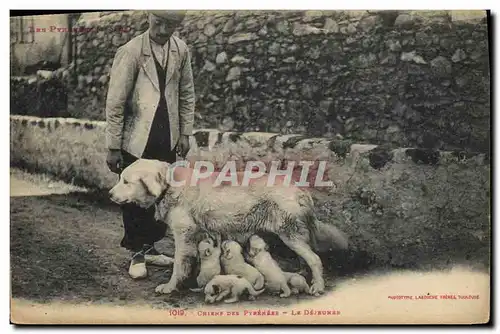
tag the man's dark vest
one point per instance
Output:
(158, 145)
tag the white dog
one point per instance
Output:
(206, 205)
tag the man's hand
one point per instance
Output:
(114, 161)
(183, 146)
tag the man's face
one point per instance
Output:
(161, 29)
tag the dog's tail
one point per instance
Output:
(327, 237)
(323, 237)
(253, 291)
(259, 283)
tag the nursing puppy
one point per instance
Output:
(209, 252)
(233, 263)
(232, 286)
(259, 256)
(297, 283)
(263, 204)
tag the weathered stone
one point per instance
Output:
(305, 30)
(236, 84)
(227, 124)
(251, 24)
(234, 73)
(314, 53)
(365, 60)
(202, 39)
(239, 27)
(229, 26)
(213, 98)
(221, 58)
(368, 23)
(219, 39)
(262, 31)
(412, 56)
(274, 49)
(351, 29)
(307, 91)
(282, 27)
(331, 26)
(394, 46)
(324, 106)
(242, 37)
(240, 60)
(458, 56)
(421, 38)
(209, 66)
(405, 21)
(209, 30)
(311, 15)
(441, 65)
(476, 55)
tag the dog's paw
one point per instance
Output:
(165, 289)
(317, 288)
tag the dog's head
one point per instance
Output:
(231, 249)
(256, 245)
(142, 183)
(206, 248)
(212, 290)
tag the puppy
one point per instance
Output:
(222, 286)
(209, 251)
(259, 256)
(297, 283)
(233, 263)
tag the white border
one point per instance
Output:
(195, 5)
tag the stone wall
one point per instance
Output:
(405, 207)
(416, 79)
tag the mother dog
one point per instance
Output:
(190, 205)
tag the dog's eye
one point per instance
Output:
(125, 182)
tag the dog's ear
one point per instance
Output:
(229, 255)
(153, 185)
(216, 289)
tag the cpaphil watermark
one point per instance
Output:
(302, 174)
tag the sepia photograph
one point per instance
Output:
(287, 167)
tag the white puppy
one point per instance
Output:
(261, 259)
(233, 263)
(222, 286)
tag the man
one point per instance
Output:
(150, 115)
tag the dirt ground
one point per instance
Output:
(65, 248)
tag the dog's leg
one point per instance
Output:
(313, 260)
(286, 292)
(183, 229)
(222, 295)
(233, 299)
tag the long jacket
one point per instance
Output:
(134, 94)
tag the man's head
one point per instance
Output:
(162, 24)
